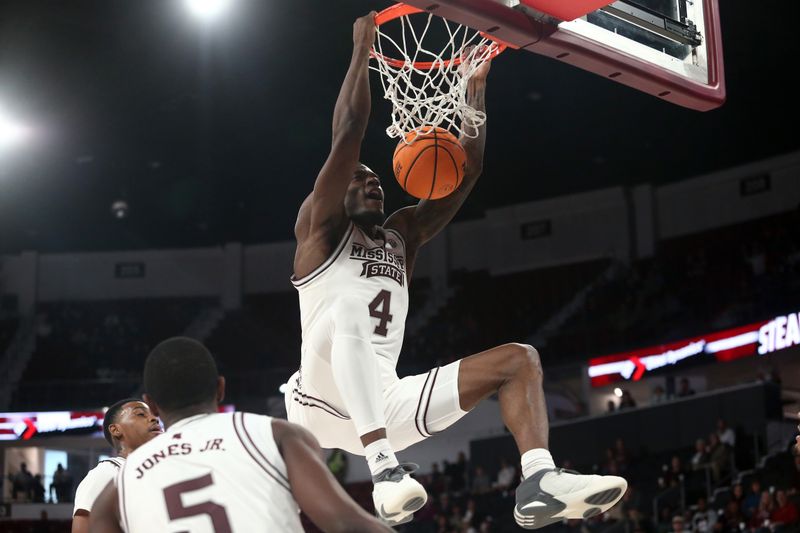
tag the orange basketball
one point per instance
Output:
(432, 166)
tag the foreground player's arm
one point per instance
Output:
(315, 489)
(421, 223)
(80, 521)
(350, 118)
(105, 512)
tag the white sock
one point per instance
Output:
(534, 460)
(380, 456)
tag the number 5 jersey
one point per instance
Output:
(219, 472)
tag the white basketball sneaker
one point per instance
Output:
(397, 495)
(550, 496)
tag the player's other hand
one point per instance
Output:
(482, 71)
(364, 30)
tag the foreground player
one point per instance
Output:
(126, 425)
(352, 272)
(219, 472)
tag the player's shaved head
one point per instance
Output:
(180, 372)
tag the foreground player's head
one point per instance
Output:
(364, 200)
(128, 424)
(181, 380)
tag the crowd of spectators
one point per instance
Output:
(106, 342)
(696, 283)
(27, 487)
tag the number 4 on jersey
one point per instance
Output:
(383, 301)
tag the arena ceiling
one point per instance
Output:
(214, 133)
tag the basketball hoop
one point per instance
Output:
(428, 88)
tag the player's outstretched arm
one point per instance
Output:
(422, 222)
(350, 118)
(315, 489)
(104, 517)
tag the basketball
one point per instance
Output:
(431, 166)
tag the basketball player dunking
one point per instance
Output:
(219, 472)
(352, 270)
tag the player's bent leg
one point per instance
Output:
(547, 494)
(514, 372)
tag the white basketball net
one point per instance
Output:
(434, 96)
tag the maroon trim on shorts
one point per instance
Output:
(253, 442)
(419, 405)
(328, 408)
(428, 404)
(270, 474)
(328, 262)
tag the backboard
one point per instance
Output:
(671, 49)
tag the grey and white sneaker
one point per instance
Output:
(396, 495)
(551, 496)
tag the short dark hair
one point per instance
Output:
(111, 418)
(180, 372)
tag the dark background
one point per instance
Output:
(215, 134)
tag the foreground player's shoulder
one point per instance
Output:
(284, 432)
(95, 481)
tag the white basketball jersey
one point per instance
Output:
(95, 481)
(213, 473)
(373, 272)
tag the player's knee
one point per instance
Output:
(526, 358)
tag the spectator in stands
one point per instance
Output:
(442, 526)
(659, 396)
(38, 489)
(627, 401)
(785, 516)
(437, 483)
(62, 483)
(611, 406)
(505, 477)
(22, 484)
(456, 518)
(703, 519)
(726, 435)
(700, 457)
(737, 494)
(445, 506)
(678, 525)
(750, 503)
(718, 456)
(470, 514)
(609, 462)
(685, 389)
(672, 473)
(480, 481)
(761, 517)
(458, 473)
(732, 520)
